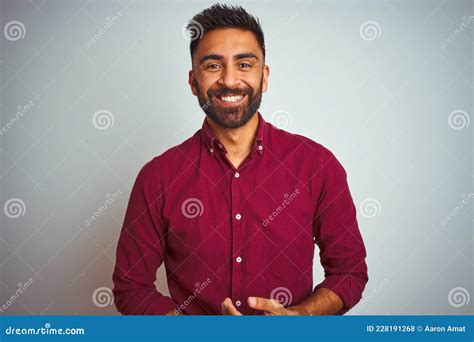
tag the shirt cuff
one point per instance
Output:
(342, 285)
(161, 306)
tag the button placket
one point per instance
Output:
(236, 223)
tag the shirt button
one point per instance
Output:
(238, 216)
(220, 146)
(237, 175)
(238, 259)
(211, 150)
(238, 303)
(260, 147)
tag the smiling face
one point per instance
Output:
(229, 76)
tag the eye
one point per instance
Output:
(212, 66)
(245, 65)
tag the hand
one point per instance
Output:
(272, 307)
(228, 308)
(174, 312)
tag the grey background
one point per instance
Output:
(381, 105)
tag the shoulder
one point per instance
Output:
(288, 142)
(171, 161)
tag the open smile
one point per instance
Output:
(230, 100)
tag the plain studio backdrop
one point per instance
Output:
(92, 90)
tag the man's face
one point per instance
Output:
(229, 76)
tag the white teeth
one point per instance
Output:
(231, 98)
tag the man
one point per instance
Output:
(234, 211)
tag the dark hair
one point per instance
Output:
(222, 16)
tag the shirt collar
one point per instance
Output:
(211, 143)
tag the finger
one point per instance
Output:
(229, 308)
(223, 308)
(269, 305)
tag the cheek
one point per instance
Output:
(200, 89)
(205, 85)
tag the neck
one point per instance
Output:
(237, 141)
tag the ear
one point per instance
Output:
(266, 74)
(191, 81)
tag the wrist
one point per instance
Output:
(300, 310)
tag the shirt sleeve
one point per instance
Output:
(336, 232)
(140, 251)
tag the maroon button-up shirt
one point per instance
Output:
(225, 232)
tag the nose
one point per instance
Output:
(229, 77)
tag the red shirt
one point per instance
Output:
(225, 232)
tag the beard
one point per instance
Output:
(230, 117)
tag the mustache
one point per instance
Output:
(230, 91)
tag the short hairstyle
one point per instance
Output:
(223, 16)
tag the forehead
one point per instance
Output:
(227, 42)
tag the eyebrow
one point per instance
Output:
(220, 57)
